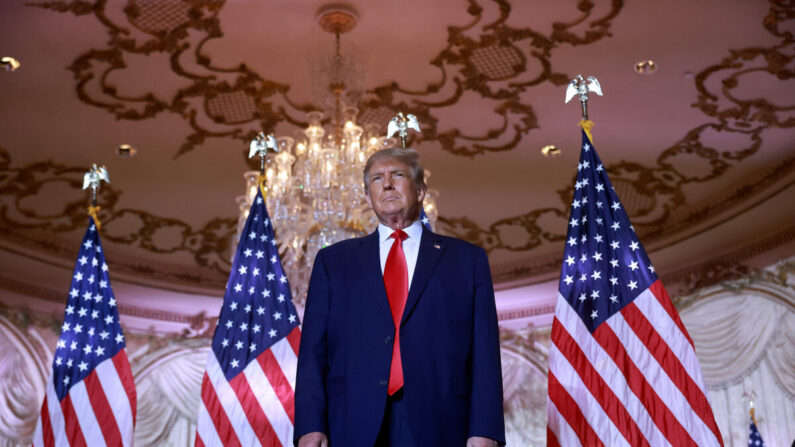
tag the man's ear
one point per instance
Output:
(420, 196)
(369, 200)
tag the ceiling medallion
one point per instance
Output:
(126, 151)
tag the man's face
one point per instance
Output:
(393, 196)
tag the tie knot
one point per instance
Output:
(399, 235)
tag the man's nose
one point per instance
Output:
(387, 183)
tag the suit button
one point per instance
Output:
(383, 383)
(387, 340)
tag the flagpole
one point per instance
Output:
(260, 146)
(581, 87)
(92, 179)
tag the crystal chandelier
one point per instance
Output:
(315, 189)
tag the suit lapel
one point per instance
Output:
(431, 249)
(370, 263)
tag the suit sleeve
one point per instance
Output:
(486, 417)
(310, 389)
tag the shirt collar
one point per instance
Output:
(414, 231)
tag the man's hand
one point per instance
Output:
(477, 441)
(314, 439)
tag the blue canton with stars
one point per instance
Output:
(258, 308)
(91, 332)
(604, 265)
(754, 437)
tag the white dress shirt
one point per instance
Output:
(411, 246)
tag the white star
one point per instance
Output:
(83, 260)
(88, 244)
(582, 297)
(225, 342)
(615, 206)
(260, 254)
(238, 288)
(82, 312)
(242, 270)
(251, 290)
(585, 180)
(252, 235)
(78, 276)
(266, 293)
(88, 349)
(575, 204)
(577, 185)
(583, 238)
(651, 268)
(112, 302)
(65, 327)
(614, 262)
(425, 221)
(239, 344)
(273, 242)
(229, 324)
(613, 299)
(233, 306)
(599, 168)
(633, 265)
(584, 219)
(105, 267)
(247, 308)
(83, 366)
(572, 241)
(70, 310)
(91, 228)
(252, 347)
(270, 276)
(104, 335)
(277, 316)
(283, 279)
(74, 293)
(91, 331)
(244, 326)
(633, 285)
(260, 310)
(599, 220)
(263, 238)
(585, 198)
(98, 298)
(634, 245)
(583, 277)
(247, 253)
(66, 380)
(570, 260)
(103, 284)
(586, 148)
(78, 329)
(234, 363)
(613, 280)
(291, 319)
(94, 262)
(272, 333)
(596, 275)
(109, 319)
(599, 205)
(58, 361)
(594, 314)
(595, 294)
(598, 238)
(597, 256)
(100, 351)
(583, 258)
(255, 272)
(615, 226)
(600, 187)
(256, 328)
(280, 297)
(274, 259)
(573, 222)
(614, 245)
(69, 363)
(91, 279)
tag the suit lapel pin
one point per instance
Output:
(437, 246)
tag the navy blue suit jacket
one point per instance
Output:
(449, 343)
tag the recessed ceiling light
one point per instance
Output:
(646, 67)
(126, 151)
(550, 150)
(8, 63)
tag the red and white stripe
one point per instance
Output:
(255, 408)
(634, 381)
(97, 411)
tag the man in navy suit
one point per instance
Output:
(400, 343)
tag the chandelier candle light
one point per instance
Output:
(314, 183)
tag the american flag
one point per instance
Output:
(426, 222)
(754, 437)
(90, 398)
(622, 367)
(247, 390)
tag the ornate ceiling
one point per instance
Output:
(704, 140)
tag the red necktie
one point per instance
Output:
(396, 282)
